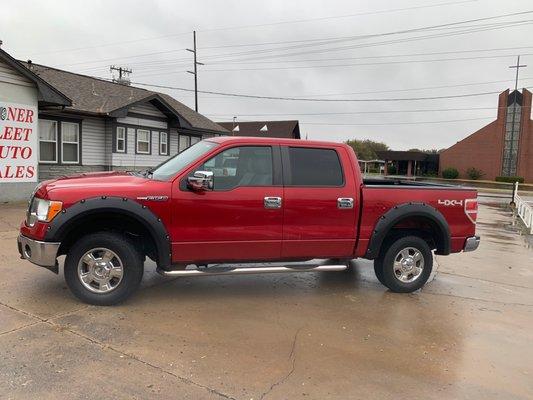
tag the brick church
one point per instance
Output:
(502, 148)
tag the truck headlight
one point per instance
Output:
(42, 210)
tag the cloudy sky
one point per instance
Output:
(368, 59)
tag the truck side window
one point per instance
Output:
(241, 166)
(314, 167)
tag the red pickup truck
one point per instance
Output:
(242, 200)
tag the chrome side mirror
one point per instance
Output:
(201, 180)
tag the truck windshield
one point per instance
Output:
(181, 160)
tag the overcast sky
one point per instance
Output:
(303, 49)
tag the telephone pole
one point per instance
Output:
(122, 74)
(195, 71)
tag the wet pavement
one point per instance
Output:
(467, 334)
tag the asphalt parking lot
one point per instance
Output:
(467, 335)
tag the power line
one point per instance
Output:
(258, 25)
(325, 41)
(184, 60)
(380, 56)
(174, 62)
(339, 16)
(387, 123)
(317, 100)
(390, 33)
(356, 46)
(361, 64)
(395, 123)
(256, 44)
(357, 112)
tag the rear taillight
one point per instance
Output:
(471, 209)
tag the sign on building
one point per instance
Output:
(18, 143)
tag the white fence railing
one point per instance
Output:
(524, 209)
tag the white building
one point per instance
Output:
(87, 124)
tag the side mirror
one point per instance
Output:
(201, 180)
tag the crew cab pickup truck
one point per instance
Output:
(242, 200)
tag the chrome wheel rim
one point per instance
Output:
(100, 270)
(408, 265)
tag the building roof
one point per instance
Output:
(279, 129)
(276, 140)
(392, 155)
(100, 97)
(48, 94)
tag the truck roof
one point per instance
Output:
(259, 140)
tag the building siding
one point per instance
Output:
(484, 148)
(93, 141)
(9, 75)
(149, 123)
(131, 160)
(146, 109)
(15, 88)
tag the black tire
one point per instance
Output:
(130, 258)
(378, 270)
(385, 270)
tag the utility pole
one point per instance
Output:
(233, 128)
(195, 71)
(513, 133)
(122, 74)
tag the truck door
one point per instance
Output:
(241, 218)
(319, 203)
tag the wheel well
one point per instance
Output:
(111, 222)
(423, 227)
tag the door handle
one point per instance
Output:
(272, 202)
(345, 202)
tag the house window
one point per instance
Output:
(184, 142)
(120, 144)
(70, 143)
(163, 143)
(143, 141)
(47, 141)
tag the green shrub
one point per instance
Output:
(474, 173)
(450, 173)
(510, 179)
(391, 170)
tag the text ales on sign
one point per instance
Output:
(18, 143)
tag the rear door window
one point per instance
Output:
(313, 167)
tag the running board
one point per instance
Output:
(250, 270)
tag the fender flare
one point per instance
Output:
(408, 210)
(62, 224)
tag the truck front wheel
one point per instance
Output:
(405, 264)
(103, 268)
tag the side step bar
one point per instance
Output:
(251, 270)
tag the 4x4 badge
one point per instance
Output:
(449, 203)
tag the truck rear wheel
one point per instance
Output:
(103, 268)
(405, 264)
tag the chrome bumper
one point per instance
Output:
(40, 253)
(472, 243)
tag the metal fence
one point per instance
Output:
(524, 209)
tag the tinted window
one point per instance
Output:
(241, 166)
(314, 167)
